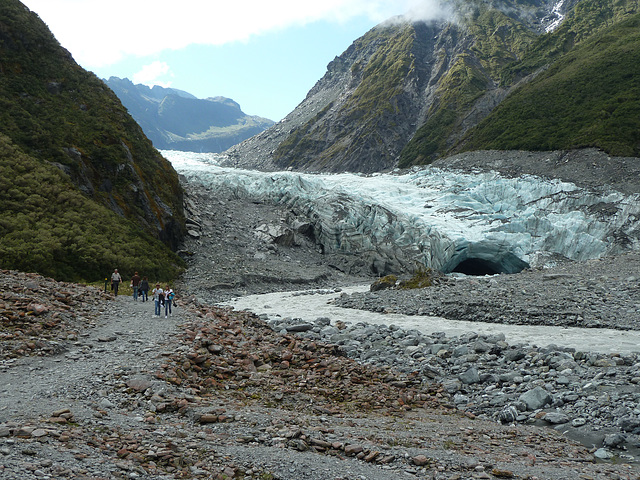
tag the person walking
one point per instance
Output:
(158, 298)
(168, 300)
(144, 289)
(115, 281)
(135, 285)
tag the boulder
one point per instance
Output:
(536, 398)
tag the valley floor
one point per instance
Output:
(93, 387)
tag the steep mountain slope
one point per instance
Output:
(176, 120)
(84, 190)
(591, 97)
(408, 93)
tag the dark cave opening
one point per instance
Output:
(477, 267)
(485, 264)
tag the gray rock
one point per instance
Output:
(578, 422)
(105, 403)
(470, 376)
(302, 327)
(508, 415)
(614, 439)
(628, 424)
(514, 355)
(603, 454)
(536, 398)
(323, 321)
(556, 418)
(460, 399)
(481, 346)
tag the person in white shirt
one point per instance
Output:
(115, 281)
(168, 300)
(158, 298)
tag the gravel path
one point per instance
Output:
(127, 340)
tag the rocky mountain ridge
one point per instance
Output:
(176, 120)
(410, 92)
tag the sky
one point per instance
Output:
(265, 55)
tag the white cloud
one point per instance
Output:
(152, 74)
(428, 10)
(101, 33)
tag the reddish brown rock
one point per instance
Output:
(353, 449)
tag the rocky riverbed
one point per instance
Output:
(601, 293)
(589, 396)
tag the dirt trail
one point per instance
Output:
(127, 339)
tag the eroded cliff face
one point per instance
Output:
(376, 96)
(359, 116)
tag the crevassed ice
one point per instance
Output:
(437, 217)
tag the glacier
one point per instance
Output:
(452, 221)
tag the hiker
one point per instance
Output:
(144, 289)
(135, 285)
(158, 298)
(168, 300)
(115, 281)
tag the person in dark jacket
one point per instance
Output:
(135, 285)
(144, 289)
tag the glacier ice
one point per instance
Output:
(446, 220)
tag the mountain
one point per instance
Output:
(82, 189)
(176, 120)
(501, 74)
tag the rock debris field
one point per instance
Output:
(95, 387)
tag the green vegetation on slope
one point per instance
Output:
(55, 113)
(588, 19)
(586, 95)
(49, 104)
(48, 226)
(498, 41)
(590, 97)
(383, 75)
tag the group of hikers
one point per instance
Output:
(140, 286)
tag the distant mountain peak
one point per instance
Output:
(177, 120)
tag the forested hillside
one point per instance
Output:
(84, 191)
